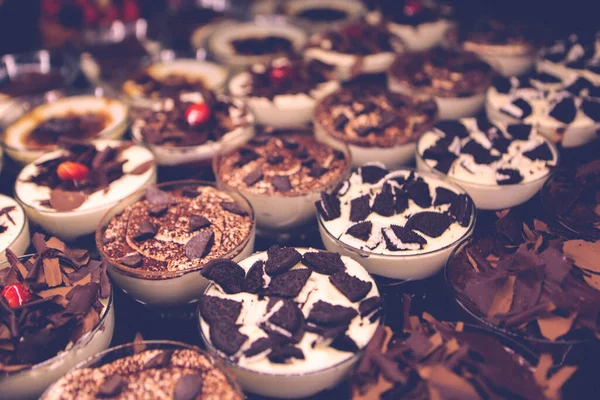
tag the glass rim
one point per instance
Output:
(25, 219)
(67, 61)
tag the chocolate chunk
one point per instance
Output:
(234, 208)
(430, 223)
(480, 154)
(188, 387)
(329, 206)
(316, 171)
(199, 246)
(308, 162)
(508, 176)
(289, 143)
(255, 281)
(288, 317)
(246, 155)
(361, 231)
(301, 153)
(384, 201)
(519, 131)
(63, 200)
(418, 191)
(253, 177)
(226, 337)
(158, 210)
(460, 209)
(398, 238)
(372, 173)
(565, 110)
(580, 84)
(443, 196)
(145, 231)
(198, 222)
(190, 192)
(156, 196)
(363, 130)
(275, 159)
(213, 308)
(501, 84)
(132, 260)
(340, 121)
(443, 165)
(259, 140)
(160, 360)
(360, 208)
(545, 77)
(226, 274)
(401, 198)
(323, 313)
(387, 118)
(259, 346)
(591, 108)
(369, 305)
(519, 109)
(112, 386)
(344, 343)
(280, 355)
(281, 183)
(451, 129)
(289, 284)
(281, 259)
(323, 262)
(485, 126)
(541, 152)
(353, 288)
(338, 155)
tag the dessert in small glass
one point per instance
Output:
(57, 310)
(291, 322)
(68, 191)
(147, 369)
(283, 93)
(238, 44)
(282, 175)
(14, 229)
(500, 166)
(377, 125)
(34, 126)
(420, 25)
(322, 14)
(157, 240)
(457, 80)
(354, 49)
(399, 224)
(191, 127)
(565, 110)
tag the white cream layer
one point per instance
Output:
(13, 230)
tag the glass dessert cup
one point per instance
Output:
(25, 113)
(70, 225)
(399, 266)
(31, 382)
(423, 36)
(507, 60)
(20, 243)
(494, 196)
(167, 289)
(351, 8)
(279, 212)
(112, 354)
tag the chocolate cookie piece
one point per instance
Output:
(253, 177)
(501, 84)
(443, 196)
(508, 176)
(199, 245)
(288, 284)
(519, 131)
(280, 354)
(226, 274)
(418, 191)
(323, 313)
(281, 259)
(564, 110)
(352, 287)
(213, 308)
(480, 154)
(281, 183)
(360, 208)
(132, 260)
(329, 206)
(451, 129)
(384, 201)
(158, 210)
(198, 222)
(519, 109)
(344, 343)
(226, 337)
(430, 223)
(255, 281)
(289, 317)
(259, 346)
(445, 163)
(461, 209)
(323, 262)
(146, 230)
(591, 108)
(401, 198)
(372, 173)
(541, 152)
(400, 237)
(361, 231)
(369, 305)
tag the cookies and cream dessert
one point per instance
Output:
(14, 229)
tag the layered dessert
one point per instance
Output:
(282, 175)
(399, 224)
(420, 24)
(84, 117)
(166, 370)
(376, 124)
(291, 321)
(155, 244)
(239, 44)
(525, 280)
(191, 127)
(354, 49)
(567, 111)
(457, 80)
(321, 14)
(499, 166)
(56, 312)
(283, 93)
(14, 229)
(576, 53)
(68, 191)
(509, 47)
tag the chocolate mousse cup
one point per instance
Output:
(157, 240)
(281, 175)
(457, 80)
(176, 368)
(377, 125)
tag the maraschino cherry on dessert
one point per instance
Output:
(72, 171)
(16, 294)
(197, 114)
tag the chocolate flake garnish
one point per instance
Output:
(275, 159)
(188, 387)
(146, 230)
(234, 208)
(198, 222)
(253, 177)
(156, 196)
(132, 260)
(160, 360)
(158, 210)
(281, 183)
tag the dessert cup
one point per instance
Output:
(31, 382)
(506, 60)
(297, 380)
(112, 354)
(167, 289)
(81, 221)
(16, 235)
(418, 264)
(322, 14)
(279, 211)
(25, 115)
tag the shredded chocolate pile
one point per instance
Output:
(70, 125)
(6, 211)
(358, 38)
(66, 288)
(263, 45)
(169, 86)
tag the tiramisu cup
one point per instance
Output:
(147, 370)
(238, 44)
(290, 322)
(398, 224)
(567, 111)
(281, 175)
(457, 80)
(322, 14)
(283, 93)
(68, 191)
(32, 129)
(190, 128)
(499, 166)
(14, 229)
(354, 49)
(157, 240)
(377, 125)
(53, 317)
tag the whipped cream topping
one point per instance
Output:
(12, 219)
(478, 152)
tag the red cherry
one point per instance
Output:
(131, 11)
(412, 7)
(354, 30)
(72, 171)
(281, 74)
(16, 294)
(197, 114)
